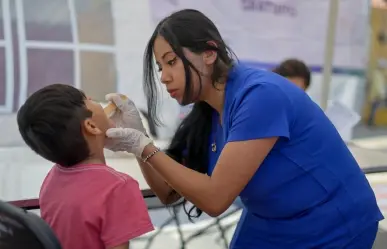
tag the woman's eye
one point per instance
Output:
(171, 62)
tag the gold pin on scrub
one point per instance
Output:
(213, 147)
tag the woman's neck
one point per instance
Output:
(215, 97)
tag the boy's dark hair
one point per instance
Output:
(294, 68)
(50, 122)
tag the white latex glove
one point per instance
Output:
(127, 115)
(127, 139)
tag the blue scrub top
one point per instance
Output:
(309, 192)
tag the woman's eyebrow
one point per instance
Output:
(165, 54)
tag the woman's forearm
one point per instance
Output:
(192, 185)
(164, 192)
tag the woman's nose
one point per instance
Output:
(165, 77)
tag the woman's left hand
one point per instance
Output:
(127, 139)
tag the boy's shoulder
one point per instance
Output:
(107, 172)
(104, 171)
(102, 176)
(109, 175)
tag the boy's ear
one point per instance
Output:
(91, 127)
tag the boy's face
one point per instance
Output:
(99, 123)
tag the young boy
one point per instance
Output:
(88, 204)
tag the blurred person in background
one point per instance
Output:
(296, 71)
(377, 92)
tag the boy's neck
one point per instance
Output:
(96, 155)
(94, 160)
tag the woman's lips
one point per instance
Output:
(173, 93)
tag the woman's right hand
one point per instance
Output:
(127, 115)
(127, 139)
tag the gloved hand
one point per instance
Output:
(127, 139)
(127, 115)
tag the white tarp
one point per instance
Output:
(269, 31)
(261, 32)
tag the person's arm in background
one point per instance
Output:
(124, 215)
(163, 191)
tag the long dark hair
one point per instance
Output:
(189, 29)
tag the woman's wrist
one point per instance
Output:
(149, 151)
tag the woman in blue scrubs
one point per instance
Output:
(251, 134)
